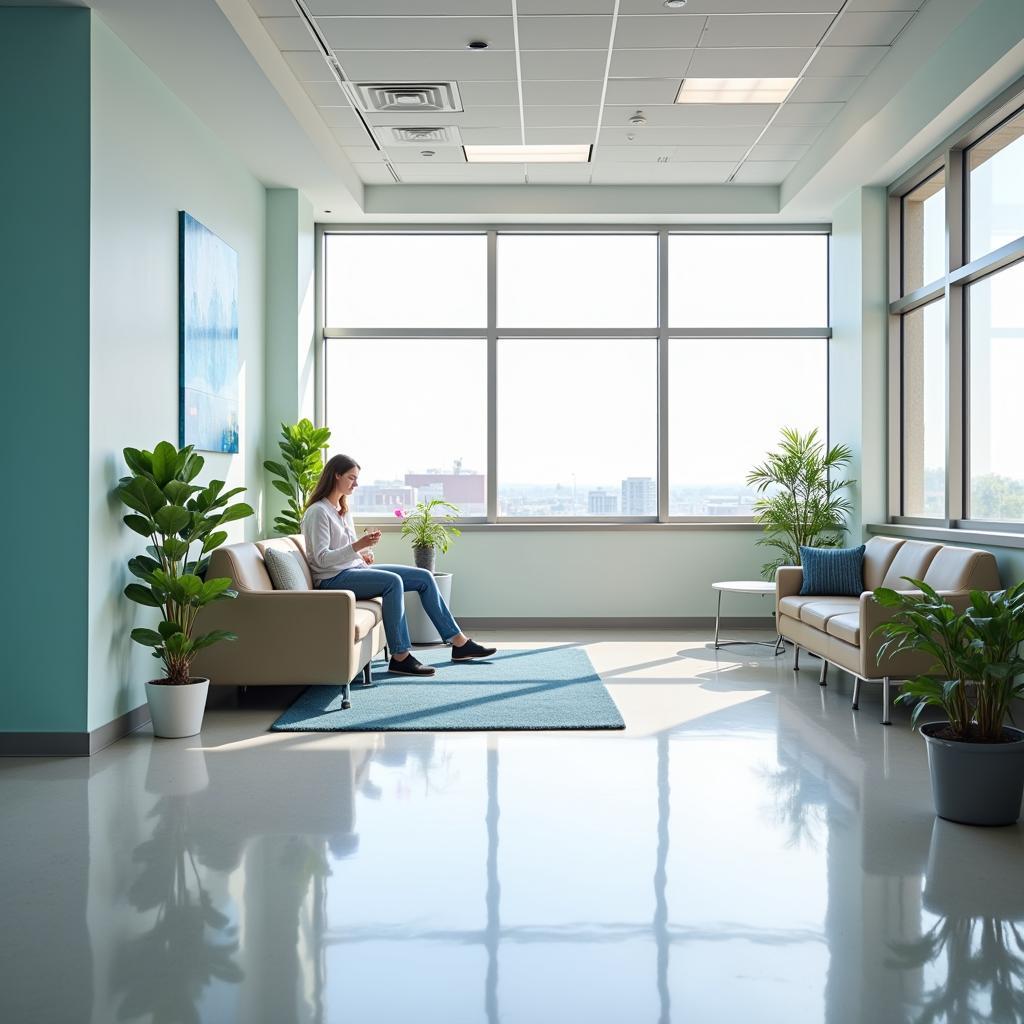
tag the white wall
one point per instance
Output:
(152, 157)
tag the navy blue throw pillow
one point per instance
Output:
(833, 572)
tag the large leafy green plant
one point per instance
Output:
(803, 504)
(182, 522)
(976, 655)
(302, 451)
(428, 524)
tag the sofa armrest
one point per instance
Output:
(284, 636)
(788, 581)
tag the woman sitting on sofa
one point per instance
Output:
(340, 560)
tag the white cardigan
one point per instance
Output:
(329, 539)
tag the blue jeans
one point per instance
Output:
(390, 582)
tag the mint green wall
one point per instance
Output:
(151, 157)
(44, 331)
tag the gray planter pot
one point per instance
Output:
(424, 557)
(976, 783)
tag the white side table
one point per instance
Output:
(759, 587)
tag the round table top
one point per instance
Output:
(745, 586)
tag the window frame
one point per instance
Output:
(951, 289)
(661, 333)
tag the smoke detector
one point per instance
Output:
(408, 97)
(638, 119)
(432, 135)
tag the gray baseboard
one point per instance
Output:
(693, 622)
(72, 744)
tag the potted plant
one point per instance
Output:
(302, 450)
(428, 527)
(802, 505)
(182, 522)
(975, 758)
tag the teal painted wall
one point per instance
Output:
(44, 331)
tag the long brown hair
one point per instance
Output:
(337, 465)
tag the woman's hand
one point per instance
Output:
(368, 540)
(367, 556)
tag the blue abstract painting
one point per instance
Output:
(208, 330)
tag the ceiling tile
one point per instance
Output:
(824, 90)
(452, 174)
(765, 30)
(561, 93)
(416, 33)
(842, 61)
(351, 136)
(325, 94)
(558, 174)
(657, 31)
(544, 117)
(763, 172)
(489, 94)
(650, 63)
(414, 154)
(735, 7)
(632, 154)
(308, 65)
(778, 152)
(406, 8)
(662, 174)
(694, 114)
(398, 66)
(642, 91)
(780, 62)
(289, 33)
(273, 8)
(364, 155)
(884, 5)
(702, 154)
(582, 32)
(807, 113)
(572, 135)
(563, 65)
(734, 135)
(791, 135)
(475, 117)
(497, 136)
(374, 174)
(341, 117)
(864, 29)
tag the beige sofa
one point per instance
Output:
(286, 636)
(839, 629)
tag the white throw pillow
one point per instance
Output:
(285, 569)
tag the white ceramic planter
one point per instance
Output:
(177, 710)
(421, 629)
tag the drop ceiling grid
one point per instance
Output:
(563, 56)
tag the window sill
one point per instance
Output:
(986, 538)
(390, 526)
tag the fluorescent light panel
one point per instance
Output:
(527, 154)
(735, 90)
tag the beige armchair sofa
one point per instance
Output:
(839, 629)
(286, 636)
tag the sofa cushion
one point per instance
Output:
(364, 620)
(374, 605)
(913, 559)
(878, 555)
(791, 605)
(845, 627)
(817, 613)
(833, 571)
(285, 570)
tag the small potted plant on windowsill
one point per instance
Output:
(182, 522)
(975, 758)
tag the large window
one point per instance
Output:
(958, 313)
(555, 375)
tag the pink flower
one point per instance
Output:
(399, 514)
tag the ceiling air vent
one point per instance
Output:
(421, 136)
(409, 97)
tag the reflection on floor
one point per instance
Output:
(748, 850)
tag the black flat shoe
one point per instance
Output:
(409, 666)
(471, 650)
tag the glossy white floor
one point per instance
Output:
(747, 850)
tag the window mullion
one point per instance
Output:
(955, 421)
(663, 380)
(492, 376)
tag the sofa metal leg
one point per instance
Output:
(823, 678)
(796, 658)
(367, 675)
(346, 701)
(885, 701)
(855, 703)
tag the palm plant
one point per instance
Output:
(976, 655)
(302, 450)
(175, 514)
(802, 503)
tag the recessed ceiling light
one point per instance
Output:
(528, 154)
(675, 3)
(735, 90)
(477, 44)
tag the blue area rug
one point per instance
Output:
(547, 688)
